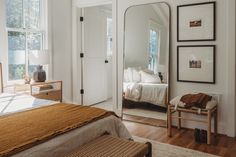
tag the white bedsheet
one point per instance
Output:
(146, 92)
(63, 144)
(154, 93)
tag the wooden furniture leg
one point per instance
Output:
(169, 122)
(179, 120)
(215, 122)
(209, 127)
(149, 149)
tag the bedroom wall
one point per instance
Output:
(3, 40)
(61, 14)
(225, 59)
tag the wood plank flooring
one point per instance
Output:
(222, 145)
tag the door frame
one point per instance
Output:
(77, 6)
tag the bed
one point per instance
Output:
(63, 143)
(143, 87)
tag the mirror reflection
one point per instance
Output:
(146, 64)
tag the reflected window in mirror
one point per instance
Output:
(109, 37)
(154, 46)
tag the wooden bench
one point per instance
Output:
(108, 146)
(209, 113)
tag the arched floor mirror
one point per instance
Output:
(146, 64)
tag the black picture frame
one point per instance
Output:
(213, 38)
(213, 72)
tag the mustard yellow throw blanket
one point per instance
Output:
(26, 129)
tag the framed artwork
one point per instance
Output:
(196, 22)
(196, 64)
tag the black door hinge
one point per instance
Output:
(81, 18)
(81, 91)
(81, 55)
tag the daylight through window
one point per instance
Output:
(25, 33)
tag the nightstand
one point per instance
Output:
(49, 90)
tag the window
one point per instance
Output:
(109, 37)
(154, 48)
(25, 33)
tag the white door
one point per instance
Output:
(95, 85)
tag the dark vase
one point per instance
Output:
(160, 76)
(39, 75)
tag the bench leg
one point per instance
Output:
(149, 149)
(215, 123)
(169, 121)
(209, 127)
(179, 120)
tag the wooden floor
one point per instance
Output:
(222, 145)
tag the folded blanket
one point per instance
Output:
(195, 100)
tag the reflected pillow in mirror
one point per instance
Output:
(126, 76)
(148, 71)
(132, 75)
(149, 78)
(136, 75)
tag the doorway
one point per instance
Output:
(97, 57)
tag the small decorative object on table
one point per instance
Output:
(161, 70)
(39, 75)
(160, 76)
(27, 79)
(39, 58)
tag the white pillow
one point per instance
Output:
(130, 75)
(148, 71)
(126, 77)
(136, 75)
(149, 78)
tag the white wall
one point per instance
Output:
(225, 60)
(3, 41)
(61, 15)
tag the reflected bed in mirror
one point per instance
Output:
(146, 64)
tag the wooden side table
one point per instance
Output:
(49, 90)
(208, 113)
